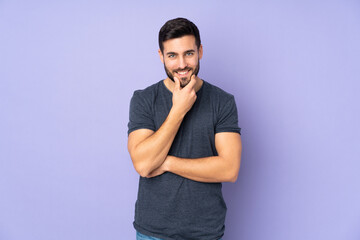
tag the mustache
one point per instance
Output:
(182, 69)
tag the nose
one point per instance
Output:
(182, 62)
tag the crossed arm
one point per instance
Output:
(149, 149)
(221, 168)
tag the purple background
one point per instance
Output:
(68, 70)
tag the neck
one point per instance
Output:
(170, 84)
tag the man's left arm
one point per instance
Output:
(222, 168)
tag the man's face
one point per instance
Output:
(181, 58)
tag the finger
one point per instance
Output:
(155, 173)
(192, 82)
(152, 174)
(177, 83)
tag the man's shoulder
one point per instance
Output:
(215, 91)
(145, 97)
(150, 90)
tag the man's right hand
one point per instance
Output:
(148, 149)
(184, 98)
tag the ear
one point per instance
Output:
(200, 51)
(161, 56)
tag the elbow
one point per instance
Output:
(140, 166)
(233, 178)
(144, 174)
(230, 176)
(141, 170)
(233, 173)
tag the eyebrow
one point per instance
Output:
(174, 53)
(171, 53)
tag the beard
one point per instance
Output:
(183, 81)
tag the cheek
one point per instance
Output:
(170, 65)
(193, 62)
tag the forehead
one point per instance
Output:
(180, 44)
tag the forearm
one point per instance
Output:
(208, 169)
(149, 149)
(150, 153)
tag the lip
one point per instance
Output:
(182, 74)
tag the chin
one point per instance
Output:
(184, 83)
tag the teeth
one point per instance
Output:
(182, 73)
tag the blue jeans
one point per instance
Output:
(140, 236)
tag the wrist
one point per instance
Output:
(167, 163)
(177, 113)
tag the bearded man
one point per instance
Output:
(184, 141)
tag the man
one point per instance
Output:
(184, 140)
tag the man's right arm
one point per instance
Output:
(149, 149)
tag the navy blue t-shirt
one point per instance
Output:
(170, 206)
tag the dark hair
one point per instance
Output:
(176, 28)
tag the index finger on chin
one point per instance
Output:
(192, 82)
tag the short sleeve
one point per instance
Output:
(228, 117)
(140, 113)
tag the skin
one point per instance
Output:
(181, 54)
(149, 149)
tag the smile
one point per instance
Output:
(183, 73)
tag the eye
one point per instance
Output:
(189, 53)
(171, 55)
